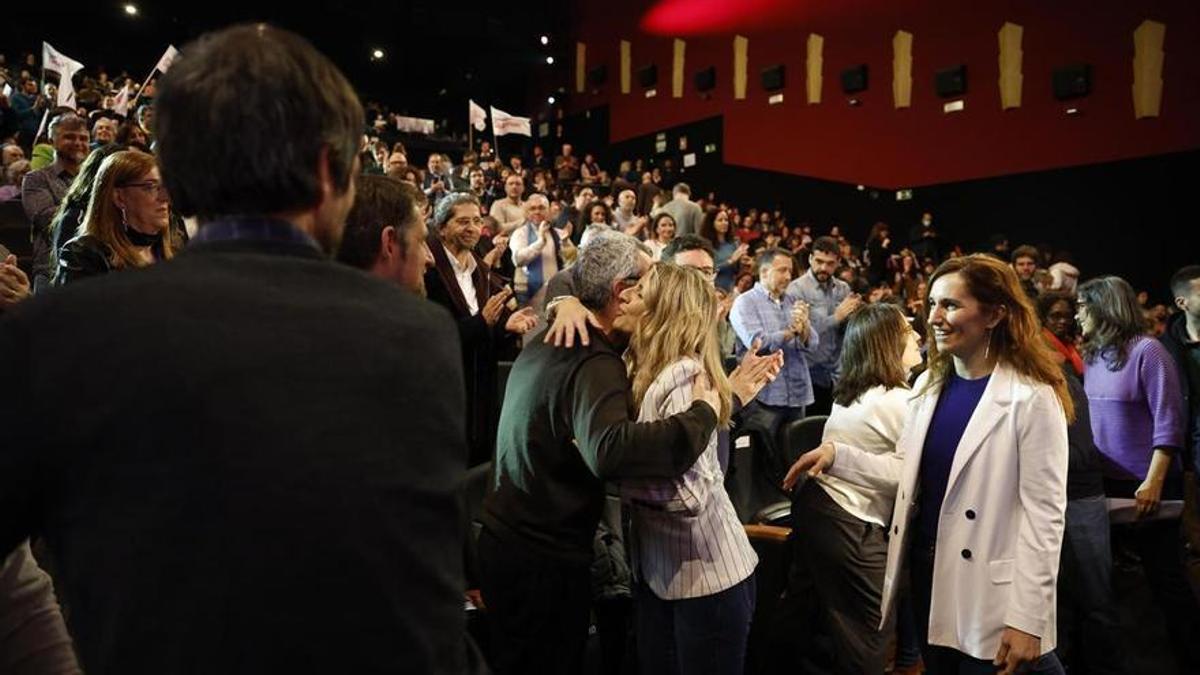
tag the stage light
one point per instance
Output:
(550, 60)
(550, 100)
(545, 40)
(131, 9)
(377, 54)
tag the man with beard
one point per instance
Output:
(44, 189)
(830, 302)
(461, 282)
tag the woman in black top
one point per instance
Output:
(126, 224)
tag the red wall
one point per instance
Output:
(875, 144)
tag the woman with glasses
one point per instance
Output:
(1057, 312)
(126, 224)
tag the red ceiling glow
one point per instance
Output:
(694, 17)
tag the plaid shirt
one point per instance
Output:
(756, 315)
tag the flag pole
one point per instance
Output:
(496, 140)
(133, 105)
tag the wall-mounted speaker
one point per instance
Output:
(648, 76)
(951, 82)
(597, 76)
(772, 78)
(854, 79)
(1072, 81)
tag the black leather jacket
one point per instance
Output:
(80, 258)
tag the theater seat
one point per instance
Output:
(14, 232)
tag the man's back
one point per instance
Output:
(687, 215)
(257, 471)
(537, 462)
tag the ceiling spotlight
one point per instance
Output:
(377, 54)
(550, 100)
(545, 40)
(131, 9)
(550, 60)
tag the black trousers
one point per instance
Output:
(842, 561)
(538, 607)
(823, 400)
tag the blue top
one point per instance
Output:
(725, 269)
(755, 314)
(823, 300)
(955, 406)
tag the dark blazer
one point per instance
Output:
(479, 347)
(260, 470)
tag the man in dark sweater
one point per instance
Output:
(565, 430)
(259, 465)
(1182, 339)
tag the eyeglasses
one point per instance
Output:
(149, 187)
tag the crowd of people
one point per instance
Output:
(242, 406)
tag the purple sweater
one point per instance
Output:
(1134, 409)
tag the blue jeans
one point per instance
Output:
(694, 636)
(1088, 624)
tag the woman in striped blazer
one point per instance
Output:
(694, 563)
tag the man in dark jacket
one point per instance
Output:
(1182, 339)
(463, 284)
(260, 470)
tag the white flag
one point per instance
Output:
(477, 115)
(66, 67)
(123, 99)
(167, 59)
(503, 123)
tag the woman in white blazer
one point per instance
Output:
(979, 475)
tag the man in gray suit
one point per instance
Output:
(687, 213)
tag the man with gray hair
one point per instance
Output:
(564, 431)
(43, 190)
(536, 249)
(459, 281)
(687, 213)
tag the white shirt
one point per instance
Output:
(525, 251)
(687, 541)
(872, 424)
(465, 282)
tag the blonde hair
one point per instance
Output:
(1017, 339)
(103, 219)
(680, 321)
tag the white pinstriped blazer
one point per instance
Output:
(687, 540)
